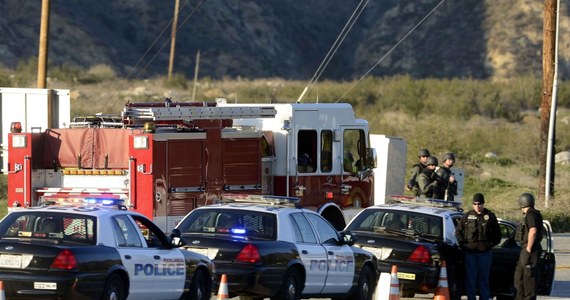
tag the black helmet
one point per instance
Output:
(449, 155)
(423, 152)
(432, 160)
(526, 200)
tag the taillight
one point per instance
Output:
(249, 254)
(420, 255)
(65, 260)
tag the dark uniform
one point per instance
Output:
(445, 190)
(477, 233)
(525, 271)
(416, 171)
(426, 182)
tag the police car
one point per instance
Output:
(418, 234)
(267, 247)
(95, 252)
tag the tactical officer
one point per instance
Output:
(478, 232)
(426, 182)
(529, 235)
(446, 184)
(416, 170)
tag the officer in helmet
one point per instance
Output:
(416, 170)
(426, 180)
(446, 184)
(529, 235)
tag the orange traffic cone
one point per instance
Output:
(223, 293)
(442, 291)
(2, 295)
(394, 285)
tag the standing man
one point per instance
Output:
(416, 170)
(529, 235)
(478, 232)
(426, 182)
(446, 184)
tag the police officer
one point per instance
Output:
(446, 184)
(478, 232)
(416, 170)
(529, 235)
(426, 182)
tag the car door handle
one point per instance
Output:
(305, 252)
(331, 253)
(156, 257)
(128, 257)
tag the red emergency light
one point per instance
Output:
(16, 127)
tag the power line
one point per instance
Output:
(392, 49)
(332, 51)
(165, 43)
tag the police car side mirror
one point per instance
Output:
(176, 239)
(348, 238)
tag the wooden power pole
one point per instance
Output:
(173, 39)
(43, 51)
(548, 60)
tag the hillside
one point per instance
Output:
(287, 39)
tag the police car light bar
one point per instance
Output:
(91, 201)
(263, 199)
(423, 201)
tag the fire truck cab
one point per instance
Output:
(318, 152)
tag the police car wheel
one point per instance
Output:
(365, 285)
(200, 289)
(114, 288)
(291, 287)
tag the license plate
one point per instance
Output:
(45, 285)
(210, 252)
(11, 261)
(407, 276)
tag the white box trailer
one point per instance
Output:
(35, 109)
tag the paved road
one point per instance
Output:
(561, 288)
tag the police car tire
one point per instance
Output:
(291, 287)
(114, 288)
(365, 287)
(200, 289)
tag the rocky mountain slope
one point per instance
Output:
(288, 39)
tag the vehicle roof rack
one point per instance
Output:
(424, 202)
(261, 199)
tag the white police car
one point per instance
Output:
(91, 252)
(267, 247)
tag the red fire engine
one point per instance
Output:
(165, 159)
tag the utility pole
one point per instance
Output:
(548, 59)
(173, 39)
(196, 69)
(43, 48)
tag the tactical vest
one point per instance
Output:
(476, 227)
(521, 235)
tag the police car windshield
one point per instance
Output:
(62, 227)
(249, 224)
(398, 221)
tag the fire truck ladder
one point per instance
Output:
(190, 113)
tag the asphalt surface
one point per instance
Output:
(561, 287)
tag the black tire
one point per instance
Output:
(365, 287)
(114, 288)
(200, 287)
(291, 286)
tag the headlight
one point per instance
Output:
(140, 142)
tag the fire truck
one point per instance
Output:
(165, 159)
